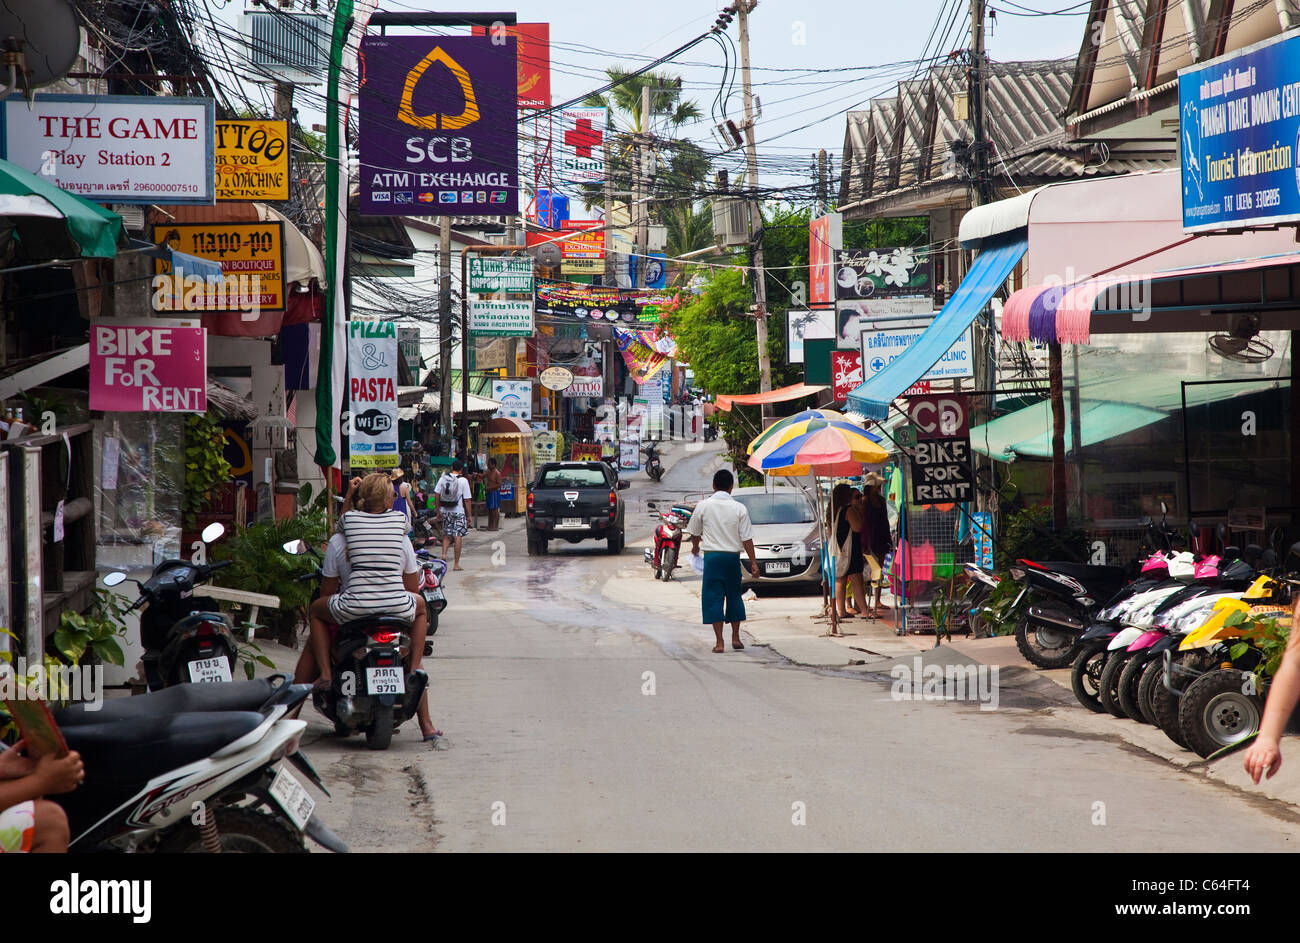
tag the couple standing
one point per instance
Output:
(860, 530)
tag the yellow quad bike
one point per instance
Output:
(1221, 706)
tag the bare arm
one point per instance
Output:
(753, 561)
(329, 585)
(411, 581)
(1264, 757)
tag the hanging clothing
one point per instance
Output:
(923, 562)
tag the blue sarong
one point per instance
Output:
(493, 496)
(720, 594)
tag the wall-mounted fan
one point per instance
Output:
(1242, 342)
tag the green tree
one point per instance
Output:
(690, 228)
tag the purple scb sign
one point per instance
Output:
(438, 126)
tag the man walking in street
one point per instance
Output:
(722, 524)
(453, 507)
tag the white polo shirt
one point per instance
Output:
(722, 524)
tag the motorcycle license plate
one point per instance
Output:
(781, 567)
(293, 798)
(385, 681)
(210, 669)
(572, 522)
(433, 595)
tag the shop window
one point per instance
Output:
(1238, 445)
(139, 488)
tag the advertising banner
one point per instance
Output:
(515, 397)
(582, 251)
(148, 367)
(883, 273)
(581, 145)
(587, 380)
(854, 317)
(490, 275)
(656, 272)
(639, 353)
(408, 342)
(251, 256)
(252, 160)
(825, 238)
(533, 42)
(500, 317)
(115, 148)
(372, 369)
(586, 452)
(803, 324)
(1239, 133)
(882, 346)
(579, 301)
(941, 460)
(439, 135)
(846, 372)
(548, 446)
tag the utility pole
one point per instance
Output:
(823, 203)
(611, 277)
(743, 8)
(444, 326)
(980, 148)
(643, 202)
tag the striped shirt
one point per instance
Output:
(376, 552)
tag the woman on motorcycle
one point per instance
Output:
(382, 578)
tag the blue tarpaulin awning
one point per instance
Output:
(992, 266)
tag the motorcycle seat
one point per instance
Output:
(374, 622)
(1101, 581)
(135, 749)
(182, 698)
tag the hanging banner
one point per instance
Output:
(556, 379)
(846, 372)
(941, 460)
(1239, 137)
(883, 273)
(145, 366)
(252, 160)
(639, 353)
(581, 145)
(578, 300)
(439, 135)
(515, 397)
(251, 256)
(533, 42)
(500, 317)
(115, 148)
(825, 238)
(656, 270)
(372, 367)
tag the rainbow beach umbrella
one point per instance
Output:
(824, 447)
(781, 424)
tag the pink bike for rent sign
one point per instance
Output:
(147, 366)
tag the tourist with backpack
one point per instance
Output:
(454, 496)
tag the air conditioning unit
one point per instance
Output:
(730, 222)
(290, 46)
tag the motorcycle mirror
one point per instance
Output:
(116, 578)
(1164, 508)
(212, 532)
(1295, 549)
(296, 547)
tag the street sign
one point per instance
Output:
(941, 460)
(512, 275)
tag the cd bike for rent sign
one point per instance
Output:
(115, 148)
(1239, 134)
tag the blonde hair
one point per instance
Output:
(375, 493)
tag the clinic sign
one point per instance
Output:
(372, 384)
(439, 132)
(115, 148)
(882, 346)
(147, 367)
(1239, 134)
(941, 459)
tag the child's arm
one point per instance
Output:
(52, 775)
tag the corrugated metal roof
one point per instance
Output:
(1025, 101)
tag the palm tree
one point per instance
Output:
(689, 229)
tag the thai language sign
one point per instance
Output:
(825, 237)
(500, 317)
(1239, 133)
(115, 148)
(439, 135)
(372, 369)
(489, 275)
(147, 366)
(882, 346)
(251, 256)
(252, 159)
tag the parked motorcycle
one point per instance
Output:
(371, 691)
(1063, 599)
(195, 768)
(668, 545)
(433, 570)
(710, 432)
(653, 466)
(186, 638)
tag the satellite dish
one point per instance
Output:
(47, 38)
(547, 255)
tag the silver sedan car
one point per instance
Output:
(787, 540)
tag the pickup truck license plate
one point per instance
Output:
(572, 522)
(385, 681)
(210, 669)
(293, 798)
(782, 566)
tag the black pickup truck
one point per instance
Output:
(575, 501)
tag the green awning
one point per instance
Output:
(51, 223)
(1110, 407)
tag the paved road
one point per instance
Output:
(541, 681)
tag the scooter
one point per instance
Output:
(710, 432)
(433, 570)
(186, 638)
(653, 466)
(668, 545)
(193, 769)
